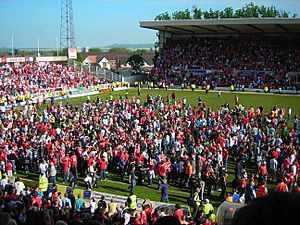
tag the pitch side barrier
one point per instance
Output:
(73, 93)
(122, 199)
(257, 90)
(275, 91)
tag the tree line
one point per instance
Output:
(247, 11)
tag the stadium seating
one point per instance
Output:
(226, 60)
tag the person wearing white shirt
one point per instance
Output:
(44, 167)
(273, 168)
(3, 182)
(88, 181)
(289, 113)
(19, 186)
(93, 205)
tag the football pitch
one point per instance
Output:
(267, 101)
(177, 195)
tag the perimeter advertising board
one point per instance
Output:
(72, 52)
(122, 199)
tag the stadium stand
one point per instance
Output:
(248, 53)
(21, 82)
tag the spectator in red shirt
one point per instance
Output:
(207, 221)
(143, 215)
(147, 205)
(35, 201)
(103, 166)
(178, 213)
(263, 172)
(161, 172)
(65, 168)
(73, 165)
(225, 155)
(137, 219)
(9, 168)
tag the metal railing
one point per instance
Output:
(98, 71)
(109, 75)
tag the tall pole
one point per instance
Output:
(38, 50)
(12, 45)
(56, 46)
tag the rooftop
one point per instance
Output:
(227, 26)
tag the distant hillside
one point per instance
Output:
(130, 46)
(4, 49)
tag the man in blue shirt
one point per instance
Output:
(79, 204)
(66, 202)
(164, 191)
(236, 197)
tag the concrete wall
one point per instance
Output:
(132, 79)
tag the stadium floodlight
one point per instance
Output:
(67, 36)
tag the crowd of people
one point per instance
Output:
(21, 82)
(223, 58)
(160, 142)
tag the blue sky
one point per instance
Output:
(99, 22)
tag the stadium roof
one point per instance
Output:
(227, 26)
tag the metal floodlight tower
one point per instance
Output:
(67, 36)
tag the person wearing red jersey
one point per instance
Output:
(281, 186)
(148, 208)
(36, 201)
(178, 213)
(262, 190)
(263, 172)
(151, 172)
(65, 165)
(161, 172)
(225, 155)
(167, 164)
(143, 215)
(9, 168)
(102, 166)
(73, 166)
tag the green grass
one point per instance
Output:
(268, 101)
(114, 186)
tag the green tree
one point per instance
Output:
(135, 61)
(181, 15)
(197, 13)
(206, 15)
(239, 13)
(79, 57)
(163, 16)
(119, 49)
(63, 52)
(95, 50)
(247, 11)
(228, 12)
(141, 51)
(16, 52)
(250, 10)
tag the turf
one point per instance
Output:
(268, 101)
(114, 186)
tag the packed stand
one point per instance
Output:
(160, 142)
(224, 57)
(20, 82)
